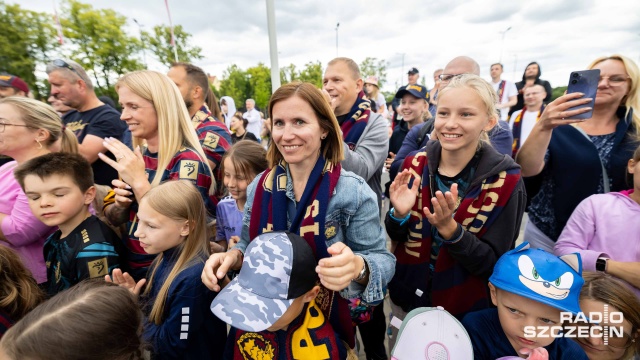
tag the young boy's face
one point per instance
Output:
(294, 310)
(56, 199)
(517, 312)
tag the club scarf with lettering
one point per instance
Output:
(269, 213)
(309, 336)
(517, 129)
(450, 285)
(357, 119)
(501, 90)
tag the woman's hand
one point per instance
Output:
(214, 274)
(129, 164)
(388, 161)
(401, 195)
(123, 194)
(444, 205)
(126, 281)
(233, 240)
(337, 272)
(556, 113)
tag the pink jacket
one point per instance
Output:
(603, 225)
(23, 230)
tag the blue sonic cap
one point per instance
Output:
(541, 276)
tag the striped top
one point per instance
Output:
(186, 164)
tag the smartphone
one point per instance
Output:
(586, 82)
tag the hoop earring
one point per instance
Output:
(39, 144)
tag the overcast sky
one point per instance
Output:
(562, 35)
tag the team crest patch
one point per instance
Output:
(330, 232)
(255, 346)
(189, 169)
(98, 268)
(211, 140)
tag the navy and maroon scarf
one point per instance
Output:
(357, 119)
(269, 213)
(450, 284)
(309, 336)
(517, 130)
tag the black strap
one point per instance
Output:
(427, 128)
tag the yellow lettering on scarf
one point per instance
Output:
(282, 182)
(313, 209)
(268, 181)
(302, 342)
(269, 228)
(490, 194)
(315, 229)
(412, 244)
(416, 160)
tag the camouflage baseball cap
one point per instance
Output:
(278, 267)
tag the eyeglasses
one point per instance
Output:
(448, 77)
(615, 80)
(63, 64)
(2, 125)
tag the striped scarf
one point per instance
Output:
(449, 285)
(269, 213)
(517, 129)
(357, 119)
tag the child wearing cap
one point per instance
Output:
(271, 304)
(530, 289)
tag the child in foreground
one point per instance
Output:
(179, 325)
(530, 288)
(59, 188)
(92, 320)
(240, 165)
(271, 304)
(19, 292)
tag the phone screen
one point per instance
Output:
(586, 82)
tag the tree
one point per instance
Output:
(235, 84)
(312, 73)
(99, 43)
(160, 45)
(288, 74)
(557, 92)
(374, 67)
(260, 84)
(27, 40)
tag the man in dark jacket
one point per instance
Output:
(530, 77)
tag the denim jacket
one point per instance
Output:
(353, 210)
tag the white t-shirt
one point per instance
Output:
(509, 91)
(255, 122)
(528, 121)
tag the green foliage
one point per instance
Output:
(372, 66)
(159, 42)
(557, 92)
(87, 30)
(235, 83)
(312, 73)
(27, 39)
(260, 84)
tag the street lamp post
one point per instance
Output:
(144, 53)
(337, 26)
(502, 46)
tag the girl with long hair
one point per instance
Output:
(172, 226)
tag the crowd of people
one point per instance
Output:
(174, 226)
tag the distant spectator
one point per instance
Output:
(530, 77)
(253, 116)
(228, 107)
(92, 121)
(11, 85)
(372, 90)
(239, 128)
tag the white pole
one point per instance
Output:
(273, 46)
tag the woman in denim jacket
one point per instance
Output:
(307, 192)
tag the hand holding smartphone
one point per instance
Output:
(586, 82)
